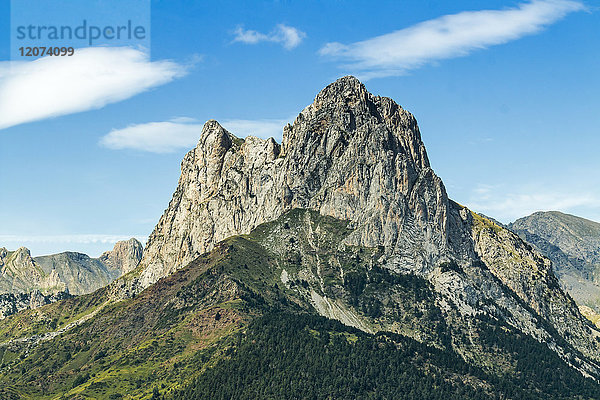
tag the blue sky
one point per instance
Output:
(505, 92)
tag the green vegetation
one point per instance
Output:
(230, 326)
(485, 223)
(50, 317)
(285, 356)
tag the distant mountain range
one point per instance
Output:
(573, 245)
(332, 265)
(39, 280)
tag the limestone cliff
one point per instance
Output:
(19, 273)
(350, 155)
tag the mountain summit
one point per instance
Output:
(349, 155)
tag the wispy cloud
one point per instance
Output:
(446, 37)
(183, 133)
(507, 206)
(288, 36)
(90, 79)
(155, 137)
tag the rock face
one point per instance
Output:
(359, 158)
(124, 257)
(78, 272)
(46, 277)
(573, 245)
(350, 155)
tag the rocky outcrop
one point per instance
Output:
(74, 272)
(13, 303)
(529, 275)
(124, 257)
(573, 245)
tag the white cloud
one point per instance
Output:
(155, 137)
(446, 37)
(184, 133)
(288, 36)
(506, 206)
(90, 79)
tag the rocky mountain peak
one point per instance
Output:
(345, 106)
(22, 256)
(349, 154)
(19, 273)
(347, 89)
(124, 257)
(215, 140)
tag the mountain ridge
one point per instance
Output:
(573, 245)
(201, 318)
(39, 280)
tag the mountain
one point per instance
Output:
(124, 257)
(359, 158)
(349, 155)
(68, 272)
(333, 264)
(21, 274)
(573, 245)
